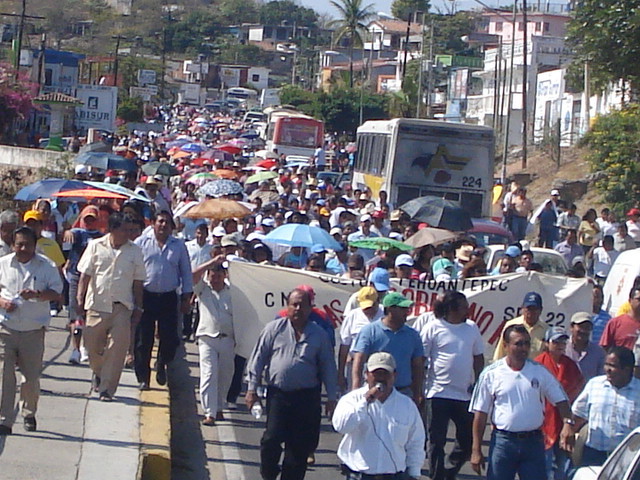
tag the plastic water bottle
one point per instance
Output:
(256, 410)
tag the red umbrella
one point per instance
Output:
(200, 161)
(225, 147)
(269, 163)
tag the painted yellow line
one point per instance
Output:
(155, 432)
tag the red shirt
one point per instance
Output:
(620, 331)
(568, 374)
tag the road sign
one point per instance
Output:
(146, 77)
(144, 92)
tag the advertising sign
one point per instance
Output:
(98, 109)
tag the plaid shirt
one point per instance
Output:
(612, 412)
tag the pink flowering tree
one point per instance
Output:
(16, 95)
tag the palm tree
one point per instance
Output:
(354, 15)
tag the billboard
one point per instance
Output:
(98, 109)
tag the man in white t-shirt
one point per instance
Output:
(368, 311)
(454, 350)
(603, 259)
(512, 390)
(319, 158)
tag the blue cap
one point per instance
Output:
(512, 251)
(318, 248)
(532, 299)
(320, 202)
(380, 279)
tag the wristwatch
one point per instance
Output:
(569, 421)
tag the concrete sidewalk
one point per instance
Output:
(78, 436)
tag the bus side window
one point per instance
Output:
(376, 154)
(366, 164)
(385, 150)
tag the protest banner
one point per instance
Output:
(259, 292)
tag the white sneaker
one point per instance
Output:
(230, 406)
(53, 312)
(84, 355)
(75, 357)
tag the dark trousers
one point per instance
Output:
(236, 382)
(293, 418)
(440, 411)
(190, 321)
(591, 456)
(163, 309)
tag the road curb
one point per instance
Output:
(155, 433)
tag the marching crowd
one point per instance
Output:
(130, 272)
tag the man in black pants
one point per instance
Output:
(168, 268)
(298, 356)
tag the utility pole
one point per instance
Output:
(23, 16)
(505, 149)
(525, 42)
(406, 47)
(430, 76)
(419, 106)
(115, 62)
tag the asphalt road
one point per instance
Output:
(230, 450)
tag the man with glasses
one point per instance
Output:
(512, 390)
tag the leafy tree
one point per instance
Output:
(244, 54)
(16, 95)
(131, 109)
(236, 12)
(353, 15)
(448, 31)
(188, 33)
(278, 11)
(403, 9)
(606, 33)
(615, 151)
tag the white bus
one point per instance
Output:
(410, 158)
(291, 132)
(248, 96)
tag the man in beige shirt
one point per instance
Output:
(530, 318)
(110, 292)
(28, 282)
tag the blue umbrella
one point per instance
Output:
(177, 143)
(192, 148)
(46, 188)
(218, 188)
(250, 135)
(301, 235)
(106, 161)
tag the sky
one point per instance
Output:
(324, 6)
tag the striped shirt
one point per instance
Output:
(612, 412)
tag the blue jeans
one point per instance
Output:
(558, 463)
(519, 227)
(509, 455)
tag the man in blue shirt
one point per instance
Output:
(166, 260)
(392, 335)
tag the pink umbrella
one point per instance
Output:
(238, 142)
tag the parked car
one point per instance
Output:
(488, 232)
(337, 179)
(552, 262)
(622, 464)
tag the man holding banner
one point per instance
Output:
(298, 356)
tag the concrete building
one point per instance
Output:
(545, 50)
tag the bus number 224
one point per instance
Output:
(472, 182)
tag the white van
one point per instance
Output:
(620, 280)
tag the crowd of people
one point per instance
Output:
(590, 244)
(131, 271)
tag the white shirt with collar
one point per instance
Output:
(216, 315)
(514, 399)
(39, 273)
(380, 437)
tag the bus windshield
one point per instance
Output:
(298, 134)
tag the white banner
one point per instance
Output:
(259, 292)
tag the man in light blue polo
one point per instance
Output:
(392, 335)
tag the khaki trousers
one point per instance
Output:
(24, 349)
(106, 337)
